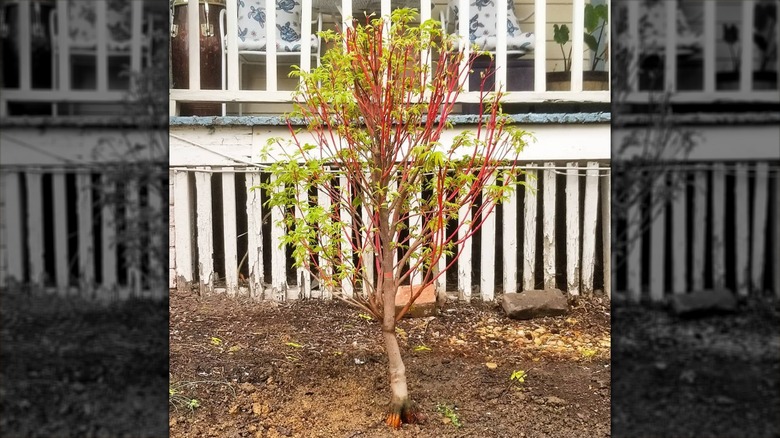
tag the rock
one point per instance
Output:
(703, 302)
(556, 401)
(424, 305)
(535, 304)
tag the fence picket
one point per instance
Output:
(86, 249)
(156, 222)
(181, 209)
(679, 236)
(325, 202)
(464, 261)
(415, 226)
(346, 246)
(759, 226)
(657, 239)
(718, 226)
(700, 218)
(133, 256)
(487, 273)
(589, 226)
(229, 232)
(368, 255)
(509, 223)
(254, 211)
(573, 229)
(13, 222)
(742, 223)
(529, 238)
(205, 235)
(548, 228)
(302, 274)
(606, 234)
(110, 273)
(278, 253)
(776, 240)
(634, 252)
(61, 266)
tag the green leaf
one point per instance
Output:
(422, 348)
(561, 34)
(216, 341)
(293, 344)
(365, 316)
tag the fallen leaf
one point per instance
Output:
(491, 365)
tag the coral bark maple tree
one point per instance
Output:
(371, 191)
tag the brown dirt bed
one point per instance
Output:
(317, 369)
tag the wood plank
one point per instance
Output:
(181, 208)
(657, 241)
(529, 235)
(606, 234)
(487, 278)
(326, 203)
(589, 218)
(13, 222)
(718, 226)
(303, 276)
(415, 227)
(347, 288)
(108, 248)
(86, 248)
(61, 267)
(573, 252)
(548, 227)
(229, 231)
(205, 233)
(758, 242)
(699, 228)
(157, 262)
(679, 238)
(278, 253)
(509, 222)
(133, 256)
(464, 261)
(742, 224)
(634, 253)
(368, 255)
(776, 242)
(254, 212)
(35, 228)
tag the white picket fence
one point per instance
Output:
(721, 230)
(223, 238)
(59, 236)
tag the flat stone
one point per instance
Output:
(531, 304)
(703, 302)
(424, 305)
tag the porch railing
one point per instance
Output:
(234, 93)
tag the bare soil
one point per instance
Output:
(710, 376)
(318, 369)
(76, 368)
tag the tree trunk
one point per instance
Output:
(400, 406)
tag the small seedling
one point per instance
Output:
(216, 341)
(177, 399)
(234, 348)
(422, 348)
(293, 344)
(193, 403)
(365, 316)
(519, 376)
(588, 353)
(449, 412)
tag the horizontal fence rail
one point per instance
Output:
(719, 229)
(65, 230)
(225, 238)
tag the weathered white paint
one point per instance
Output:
(302, 274)
(634, 252)
(133, 258)
(346, 246)
(742, 222)
(60, 231)
(509, 223)
(110, 272)
(718, 226)
(278, 253)
(758, 242)
(229, 232)
(589, 226)
(606, 235)
(776, 243)
(368, 254)
(573, 229)
(205, 226)
(326, 203)
(181, 209)
(487, 275)
(699, 218)
(86, 250)
(529, 238)
(13, 223)
(254, 211)
(679, 236)
(548, 228)
(464, 261)
(657, 237)
(157, 221)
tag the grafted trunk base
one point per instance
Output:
(401, 413)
